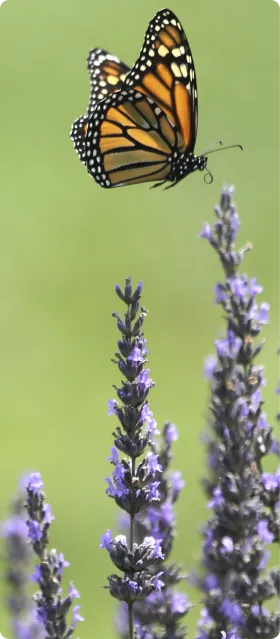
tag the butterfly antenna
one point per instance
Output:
(232, 146)
(208, 177)
(212, 146)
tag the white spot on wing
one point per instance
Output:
(184, 70)
(175, 70)
(162, 50)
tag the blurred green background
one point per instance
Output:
(64, 242)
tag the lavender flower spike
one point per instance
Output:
(52, 608)
(163, 611)
(134, 486)
(242, 498)
(17, 556)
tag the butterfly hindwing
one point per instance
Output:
(78, 136)
(165, 72)
(130, 140)
(107, 75)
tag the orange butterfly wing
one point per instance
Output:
(129, 141)
(165, 72)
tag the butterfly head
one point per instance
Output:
(184, 164)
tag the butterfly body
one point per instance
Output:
(141, 123)
(185, 163)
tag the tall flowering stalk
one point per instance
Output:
(235, 586)
(163, 611)
(271, 499)
(17, 560)
(160, 614)
(134, 484)
(52, 608)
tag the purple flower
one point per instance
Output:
(135, 484)
(112, 407)
(232, 612)
(255, 288)
(171, 433)
(133, 586)
(136, 356)
(35, 483)
(42, 614)
(15, 568)
(256, 401)
(262, 316)
(73, 592)
(263, 531)
(210, 366)
(271, 481)
(217, 500)
(37, 575)
(106, 540)
(52, 609)
(275, 448)
(243, 502)
(152, 491)
(158, 583)
(115, 455)
(34, 531)
(146, 413)
(76, 616)
(179, 603)
(119, 473)
(62, 563)
(111, 491)
(166, 512)
(153, 464)
(177, 484)
(227, 545)
(155, 545)
(206, 232)
(48, 516)
(228, 347)
(219, 293)
(239, 287)
(143, 380)
(211, 582)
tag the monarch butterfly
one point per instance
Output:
(141, 124)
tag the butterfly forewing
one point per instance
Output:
(165, 72)
(107, 75)
(130, 140)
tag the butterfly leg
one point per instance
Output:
(154, 186)
(170, 186)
